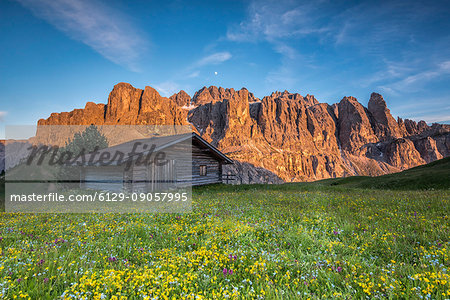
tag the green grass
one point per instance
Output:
(306, 240)
(284, 243)
(435, 175)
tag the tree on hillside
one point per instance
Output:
(82, 143)
(88, 140)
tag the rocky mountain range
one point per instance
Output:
(281, 136)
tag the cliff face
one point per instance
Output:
(293, 136)
(126, 106)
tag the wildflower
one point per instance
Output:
(233, 257)
(46, 280)
(225, 271)
(230, 271)
(19, 280)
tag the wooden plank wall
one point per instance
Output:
(105, 178)
(178, 172)
(203, 157)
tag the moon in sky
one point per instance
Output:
(215, 73)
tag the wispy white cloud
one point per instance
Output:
(416, 105)
(2, 115)
(389, 70)
(378, 32)
(192, 70)
(437, 116)
(279, 23)
(273, 20)
(367, 25)
(167, 88)
(194, 74)
(372, 27)
(445, 66)
(286, 51)
(416, 80)
(102, 28)
(178, 81)
(443, 118)
(284, 76)
(433, 109)
(213, 59)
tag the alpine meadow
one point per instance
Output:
(224, 150)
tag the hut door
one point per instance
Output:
(163, 177)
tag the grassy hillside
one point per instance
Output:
(435, 175)
(325, 239)
(254, 242)
(432, 176)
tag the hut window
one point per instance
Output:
(203, 170)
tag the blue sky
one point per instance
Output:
(59, 54)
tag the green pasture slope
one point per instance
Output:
(435, 175)
(340, 238)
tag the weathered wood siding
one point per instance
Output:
(152, 178)
(203, 157)
(182, 169)
(105, 178)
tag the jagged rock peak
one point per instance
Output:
(385, 126)
(124, 100)
(308, 100)
(350, 99)
(214, 94)
(354, 123)
(181, 98)
(377, 101)
(122, 85)
(412, 127)
(291, 135)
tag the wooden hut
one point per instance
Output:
(188, 160)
